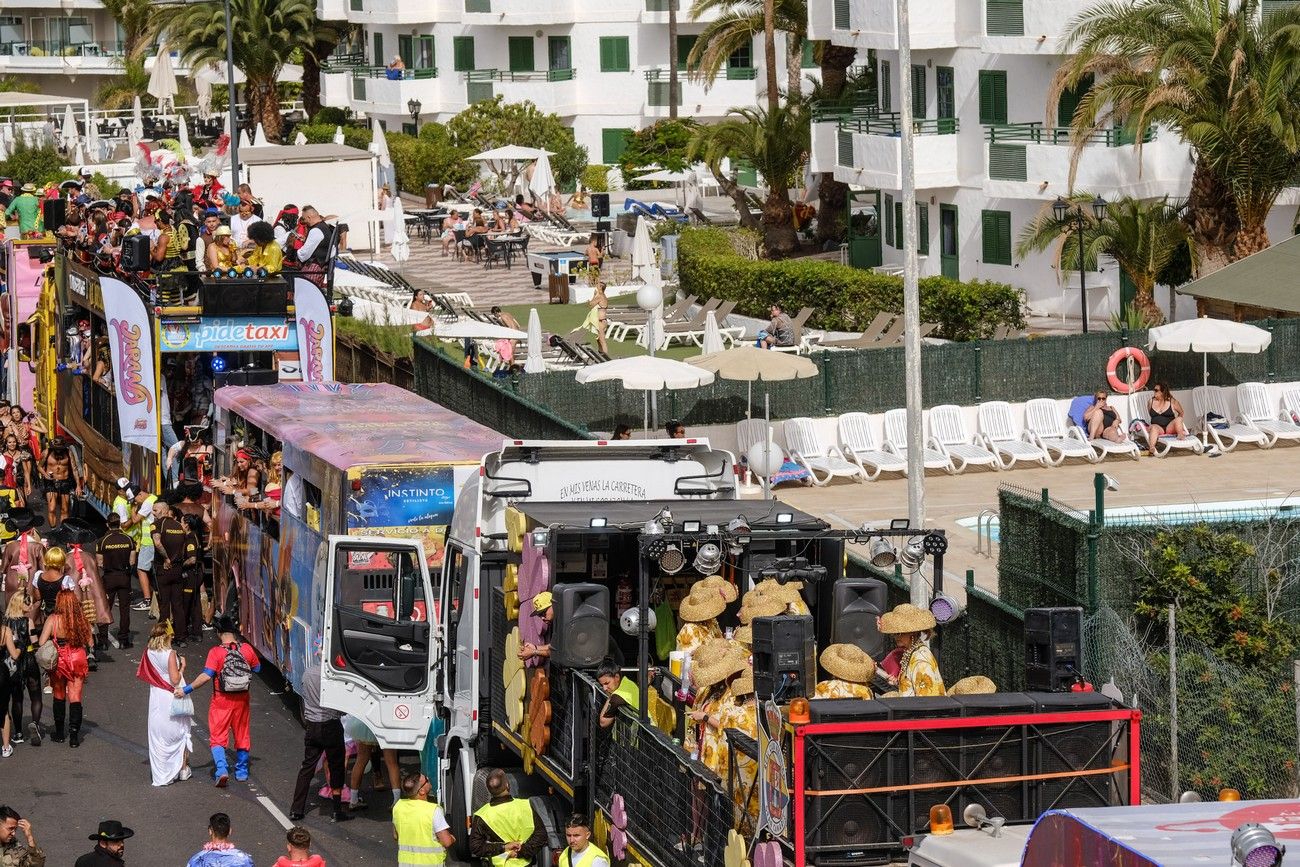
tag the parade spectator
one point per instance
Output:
(230, 667)
(323, 734)
(115, 554)
(13, 851)
(505, 830)
(110, 845)
(141, 529)
(20, 646)
(581, 852)
(169, 733)
(28, 208)
(676, 430)
(420, 825)
(298, 846)
(219, 851)
(622, 432)
(68, 628)
(367, 747)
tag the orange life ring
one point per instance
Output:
(1118, 357)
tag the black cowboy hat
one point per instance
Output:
(68, 184)
(22, 518)
(78, 532)
(112, 830)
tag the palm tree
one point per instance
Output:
(1143, 237)
(1223, 77)
(120, 91)
(775, 143)
(835, 86)
(674, 85)
(738, 22)
(325, 38)
(268, 33)
(139, 21)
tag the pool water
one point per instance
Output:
(1175, 513)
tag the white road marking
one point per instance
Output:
(275, 812)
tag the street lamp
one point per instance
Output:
(1063, 211)
(414, 106)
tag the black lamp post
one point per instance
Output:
(414, 106)
(1064, 210)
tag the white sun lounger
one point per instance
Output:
(896, 442)
(1257, 411)
(859, 445)
(807, 450)
(1138, 402)
(1000, 435)
(948, 434)
(1208, 399)
(1048, 426)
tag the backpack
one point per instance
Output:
(235, 671)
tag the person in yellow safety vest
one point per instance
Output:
(622, 691)
(419, 825)
(505, 830)
(581, 852)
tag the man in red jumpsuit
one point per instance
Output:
(230, 666)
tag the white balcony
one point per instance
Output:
(869, 153)
(1028, 26)
(554, 91)
(401, 11)
(332, 10)
(734, 88)
(379, 95)
(936, 24)
(519, 13)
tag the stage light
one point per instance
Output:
(881, 553)
(1253, 845)
(218, 364)
(945, 608)
(708, 559)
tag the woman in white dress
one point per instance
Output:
(169, 736)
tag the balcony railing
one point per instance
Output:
(488, 75)
(383, 72)
(343, 62)
(61, 48)
(741, 73)
(862, 103)
(889, 124)
(1037, 133)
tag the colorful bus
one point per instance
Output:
(358, 460)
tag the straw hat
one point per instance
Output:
(744, 635)
(701, 604)
(976, 684)
(715, 647)
(718, 668)
(29, 188)
(729, 592)
(906, 618)
(743, 685)
(758, 605)
(785, 592)
(848, 662)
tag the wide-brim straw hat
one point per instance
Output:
(786, 592)
(701, 604)
(743, 685)
(728, 590)
(759, 605)
(744, 635)
(718, 668)
(906, 618)
(848, 662)
(976, 684)
(714, 647)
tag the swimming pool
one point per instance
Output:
(1175, 513)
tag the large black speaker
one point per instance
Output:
(1053, 648)
(247, 376)
(933, 757)
(135, 253)
(580, 633)
(1072, 747)
(996, 752)
(244, 297)
(600, 204)
(857, 604)
(785, 656)
(54, 212)
(846, 827)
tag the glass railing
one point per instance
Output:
(1038, 133)
(889, 124)
(62, 48)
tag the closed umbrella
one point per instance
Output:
(644, 267)
(534, 362)
(712, 337)
(300, 139)
(183, 137)
(401, 243)
(136, 130)
(338, 135)
(379, 147)
(259, 137)
(646, 373)
(68, 135)
(92, 141)
(542, 183)
(162, 79)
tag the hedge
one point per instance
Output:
(842, 298)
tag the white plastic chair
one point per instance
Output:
(999, 432)
(859, 445)
(1208, 399)
(1137, 402)
(749, 432)
(1256, 411)
(1046, 425)
(807, 450)
(896, 442)
(948, 434)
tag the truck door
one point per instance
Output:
(379, 643)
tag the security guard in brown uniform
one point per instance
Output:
(116, 555)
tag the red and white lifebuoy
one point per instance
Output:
(1133, 355)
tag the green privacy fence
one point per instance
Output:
(872, 380)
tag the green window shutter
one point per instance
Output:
(684, 45)
(886, 100)
(993, 96)
(462, 49)
(355, 5)
(1004, 18)
(918, 91)
(808, 58)
(612, 144)
(996, 237)
(521, 54)
(1069, 102)
(379, 58)
(425, 56)
(406, 49)
(844, 147)
(1007, 162)
(614, 54)
(889, 220)
(841, 15)
(478, 5)
(922, 228)
(898, 226)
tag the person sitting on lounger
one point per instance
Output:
(780, 331)
(1102, 420)
(1166, 415)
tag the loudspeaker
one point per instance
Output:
(242, 296)
(857, 602)
(54, 212)
(247, 376)
(1053, 648)
(135, 253)
(996, 752)
(580, 633)
(1072, 747)
(600, 204)
(845, 827)
(934, 757)
(785, 657)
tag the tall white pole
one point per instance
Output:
(911, 296)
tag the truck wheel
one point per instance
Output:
(457, 807)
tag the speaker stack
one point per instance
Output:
(844, 828)
(580, 635)
(935, 758)
(996, 752)
(600, 204)
(785, 657)
(244, 296)
(247, 376)
(1072, 747)
(54, 213)
(1053, 648)
(135, 253)
(857, 602)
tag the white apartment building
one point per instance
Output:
(602, 67)
(989, 151)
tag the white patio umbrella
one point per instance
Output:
(665, 176)
(504, 161)
(751, 364)
(183, 137)
(162, 79)
(644, 267)
(401, 248)
(473, 329)
(534, 363)
(259, 137)
(338, 135)
(299, 140)
(68, 135)
(712, 336)
(646, 373)
(136, 129)
(1205, 335)
(542, 183)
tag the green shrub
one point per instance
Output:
(596, 178)
(39, 165)
(842, 298)
(323, 133)
(393, 339)
(332, 116)
(427, 158)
